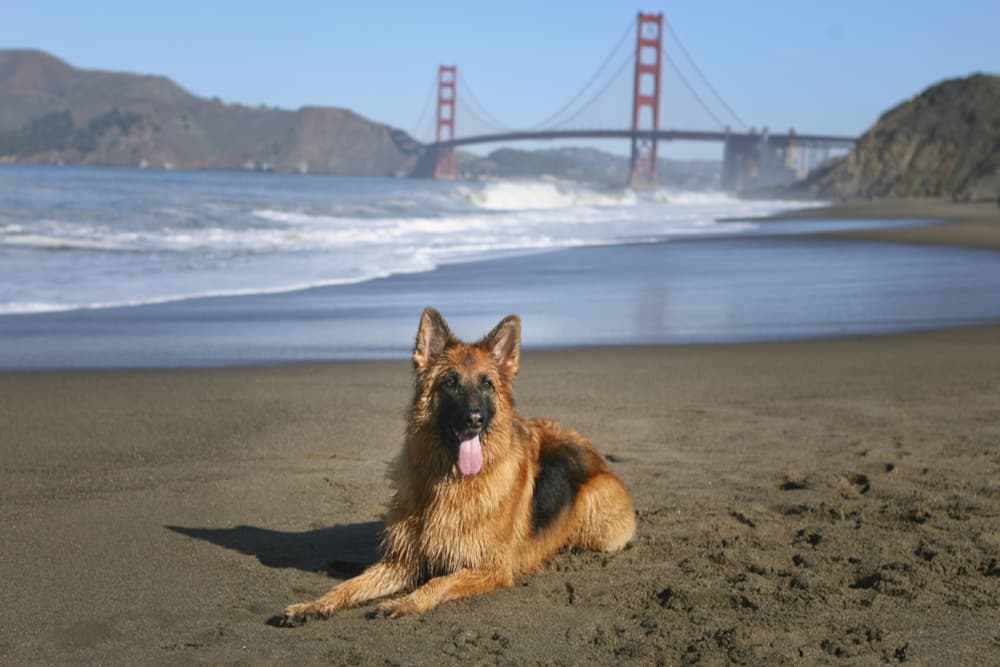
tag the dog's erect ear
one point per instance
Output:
(432, 337)
(505, 344)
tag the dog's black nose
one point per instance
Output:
(474, 419)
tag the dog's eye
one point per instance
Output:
(449, 381)
(486, 382)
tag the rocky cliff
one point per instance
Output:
(945, 142)
(51, 112)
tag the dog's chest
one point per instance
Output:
(459, 530)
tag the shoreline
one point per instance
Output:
(763, 287)
(720, 291)
(967, 224)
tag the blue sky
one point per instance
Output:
(825, 67)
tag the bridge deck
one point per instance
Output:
(660, 135)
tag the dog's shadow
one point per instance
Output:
(341, 551)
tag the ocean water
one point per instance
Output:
(75, 238)
(103, 268)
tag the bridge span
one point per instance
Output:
(832, 141)
(750, 158)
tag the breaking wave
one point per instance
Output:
(146, 241)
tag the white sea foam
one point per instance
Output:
(14, 307)
(166, 243)
(525, 196)
(61, 243)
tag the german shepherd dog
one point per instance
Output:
(481, 494)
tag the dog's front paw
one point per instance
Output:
(298, 614)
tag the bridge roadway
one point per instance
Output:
(659, 135)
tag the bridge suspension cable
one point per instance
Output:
(551, 118)
(418, 129)
(629, 60)
(701, 74)
(687, 84)
(477, 108)
(580, 102)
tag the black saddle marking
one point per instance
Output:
(560, 477)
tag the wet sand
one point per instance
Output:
(974, 225)
(823, 502)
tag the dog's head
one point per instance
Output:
(465, 390)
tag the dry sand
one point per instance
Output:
(828, 502)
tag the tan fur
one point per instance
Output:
(448, 536)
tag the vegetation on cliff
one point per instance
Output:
(55, 113)
(945, 142)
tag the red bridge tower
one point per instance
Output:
(447, 74)
(646, 100)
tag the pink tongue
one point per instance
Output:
(470, 456)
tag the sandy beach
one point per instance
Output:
(820, 502)
(969, 224)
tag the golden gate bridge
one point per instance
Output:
(748, 154)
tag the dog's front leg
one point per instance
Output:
(459, 584)
(383, 578)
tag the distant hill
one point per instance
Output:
(945, 142)
(51, 112)
(584, 164)
(54, 113)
